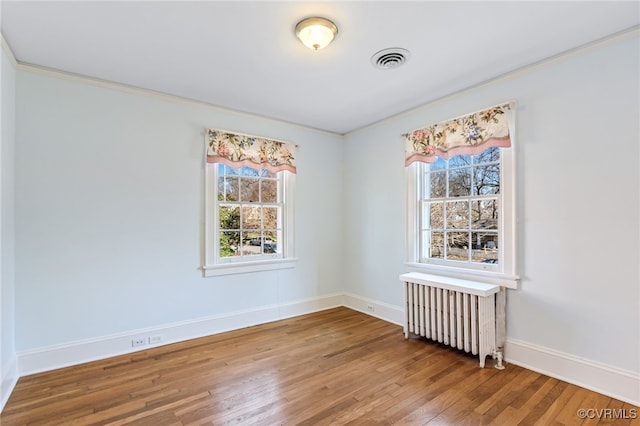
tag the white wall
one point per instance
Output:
(109, 207)
(8, 365)
(578, 198)
(108, 210)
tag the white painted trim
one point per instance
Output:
(611, 381)
(9, 369)
(212, 265)
(307, 306)
(8, 51)
(245, 267)
(602, 378)
(65, 75)
(9, 379)
(448, 283)
(503, 274)
(384, 311)
(81, 351)
(605, 379)
(507, 281)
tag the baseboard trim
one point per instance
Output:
(384, 311)
(9, 379)
(81, 351)
(605, 379)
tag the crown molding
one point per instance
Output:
(8, 51)
(106, 84)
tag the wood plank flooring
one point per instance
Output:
(335, 367)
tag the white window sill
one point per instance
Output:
(247, 267)
(488, 277)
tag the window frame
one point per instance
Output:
(213, 264)
(504, 273)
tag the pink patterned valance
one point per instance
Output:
(237, 150)
(470, 134)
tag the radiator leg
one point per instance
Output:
(498, 356)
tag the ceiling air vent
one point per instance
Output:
(390, 58)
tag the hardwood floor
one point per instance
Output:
(334, 367)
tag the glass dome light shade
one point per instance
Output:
(316, 33)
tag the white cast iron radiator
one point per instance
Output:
(455, 312)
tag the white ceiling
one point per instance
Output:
(244, 55)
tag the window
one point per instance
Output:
(459, 210)
(461, 213)
(249, 209)
(249, 212)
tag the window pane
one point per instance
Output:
(436, 245)
(247, 248)
(249, 171)
(484, 247)
(253, 239)
(253, 244)
(252, 217)
(249, 190)
(270, 217)
(229, 217)
(437, 184)
(270, 244)
(459, 161)
(229, 243)
(440, 164)
(226, 170)
(460, 182)
(488, 155)
(268, 174)
(260, 243)
(458, 246)
(484, 214)
(486, 179)
(228, 189)
(457, 215)
(269, 190)
(221, 188)
(252, 247)
(433, 217)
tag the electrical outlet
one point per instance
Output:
(139, 341)
(370, 308)
(154, 340)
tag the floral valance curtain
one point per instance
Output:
(237, 150)
(470, 134)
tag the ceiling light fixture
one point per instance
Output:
(316, 32)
